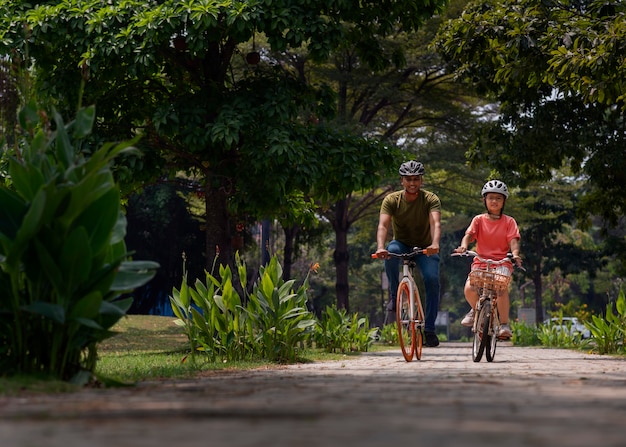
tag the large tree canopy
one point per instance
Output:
(557, 68)
(175, 71)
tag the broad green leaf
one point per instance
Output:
(74, 257)
(133, 274)
(65, 152)
(12, 211)
(84, 122)
(27, 180)
(51, 311)
(87, 307)
(98, 219)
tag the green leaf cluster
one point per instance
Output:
(339, 332)
(270, 323)
(62, 254)
(609, 332)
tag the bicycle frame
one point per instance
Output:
(409, 310)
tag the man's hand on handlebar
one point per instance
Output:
(381, 253)
(431, 250)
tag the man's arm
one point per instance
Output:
(435, 230)
(381, 233)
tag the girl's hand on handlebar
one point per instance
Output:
(518, 261)
(460, 249)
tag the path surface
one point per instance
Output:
(526, 397)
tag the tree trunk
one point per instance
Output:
(538, 293)
(217, 229)
(290, 236)
(341, 256)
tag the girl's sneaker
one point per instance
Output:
(504, 332)
(468, 319)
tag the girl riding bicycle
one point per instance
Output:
(495, 234)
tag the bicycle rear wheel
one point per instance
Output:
(419, 318)
(490, 352)
(406, 326)
(481, 334)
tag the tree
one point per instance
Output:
(557, 70)
(168, 70)
(406, 99)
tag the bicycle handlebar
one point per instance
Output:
(508, 258)
(416, 251)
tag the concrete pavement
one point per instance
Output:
(526, 397)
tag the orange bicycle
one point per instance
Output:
(409, 311)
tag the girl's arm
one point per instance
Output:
(514, 246)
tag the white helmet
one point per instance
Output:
(495, 186)
(411, 167)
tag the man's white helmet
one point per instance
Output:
(411, 167)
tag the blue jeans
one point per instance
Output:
(429, 267)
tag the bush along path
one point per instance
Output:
(64, 264)
(270, 323)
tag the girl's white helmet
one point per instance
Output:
(495, 186)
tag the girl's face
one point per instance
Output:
(494, 202)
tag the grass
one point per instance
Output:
(146, 347)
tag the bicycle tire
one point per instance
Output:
(481, 334)
(419, 324)
(490, 352)
(406, 326)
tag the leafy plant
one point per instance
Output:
(524, 335)
(63, 260)
(608, 333)
(339, 332)
(271, 324)
(278, 316)
(388, 335)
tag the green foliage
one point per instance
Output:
(609, 332)
(523, 52)
(339, 332)
(271, 323)
(388, 335)
(62, 253)
(553, 336)
(524, 335)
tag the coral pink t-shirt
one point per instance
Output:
(492, 236)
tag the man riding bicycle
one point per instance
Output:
(415, 217)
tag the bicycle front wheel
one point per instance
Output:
(481, 334)
(405, 322)
(490, 351)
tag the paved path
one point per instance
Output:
(526, 397)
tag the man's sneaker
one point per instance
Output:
(431, 339)
(468, 319)
(505, 331)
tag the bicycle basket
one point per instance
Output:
(491, 280)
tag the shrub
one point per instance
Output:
(271, 323)
(339, 332)
(62, 254)
(608, 333)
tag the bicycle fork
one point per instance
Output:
(492, 314)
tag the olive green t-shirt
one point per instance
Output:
(410, 220)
